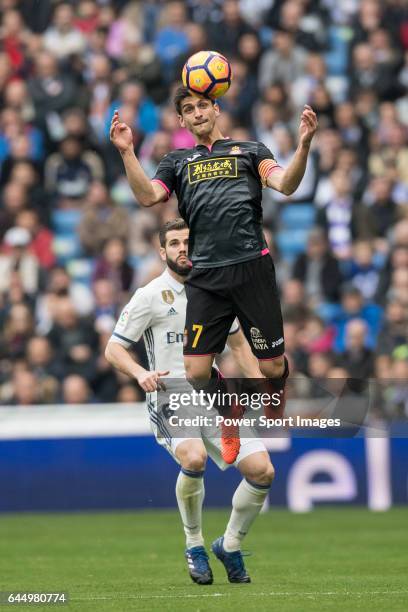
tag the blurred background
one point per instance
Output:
(75, 244)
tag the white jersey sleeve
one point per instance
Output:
(134, 320)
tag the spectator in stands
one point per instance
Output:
(318, 270)
(282, 64)
(14, 199)
(394, 330)
(362, 271)
(225, 36)
(113, 265)
(336, 216)
(69, 173)
(41, 244)
(101, 220)
(18, 260)
(353, 307)
(75, 390)
(26, 390)
(17, 331)
(357, 358)
(129, 394)
(42, 364)
(51, 91)
(171, 38)
(74, 340)
(62, 38)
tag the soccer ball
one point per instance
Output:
(207, 73)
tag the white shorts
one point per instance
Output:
(210, 435)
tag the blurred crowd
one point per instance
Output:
(75, 243)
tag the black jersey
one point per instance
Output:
(219, 194)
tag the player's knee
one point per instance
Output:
(263, 473)
(194, 461)
(273, 368)
(193, 371)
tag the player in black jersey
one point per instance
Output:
(219, 188)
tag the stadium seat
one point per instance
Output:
(337, 57)
(65, 221)
(291, 242)
(81, 269)
(66, 248)
(297, 216)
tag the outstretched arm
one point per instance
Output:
(288, 180)
(148, 193)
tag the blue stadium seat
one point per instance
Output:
(291, 242)
(65, 221)
(66, 248)
(297, 216)
(81, 269)
(337, 58)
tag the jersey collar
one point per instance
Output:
(174, 284)
(213, 144)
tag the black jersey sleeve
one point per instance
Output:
(265, 162)
(165, 174)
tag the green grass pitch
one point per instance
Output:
(331, 559)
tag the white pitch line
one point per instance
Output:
(247, 593)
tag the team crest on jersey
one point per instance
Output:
(168, 296)
(236, 150)
(219, 167)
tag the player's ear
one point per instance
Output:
(217, 109)
(181, 121)
(162, 253)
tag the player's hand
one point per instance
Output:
(150, 381)
(308, 125)
(120, 134)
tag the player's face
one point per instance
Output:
(198, 115)
(175, 253)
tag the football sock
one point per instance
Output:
(277, 385)
(247, 502)
(190, 497)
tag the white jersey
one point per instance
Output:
(158, 312)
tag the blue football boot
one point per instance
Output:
(198, 565)
(232, 561)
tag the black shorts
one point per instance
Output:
(215, 296)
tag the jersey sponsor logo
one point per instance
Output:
(235, 150)
(174, 337)
(219, 167)
(171, 312)
(258, 341)
(168, 296)
(276, 342)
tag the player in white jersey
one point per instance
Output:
(157, 311)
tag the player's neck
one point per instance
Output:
(208, 139)
(177, 277)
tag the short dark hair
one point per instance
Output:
(182, 93)
(175, 224)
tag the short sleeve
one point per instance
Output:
(165, 174)
(265, 162)
(135, 318)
